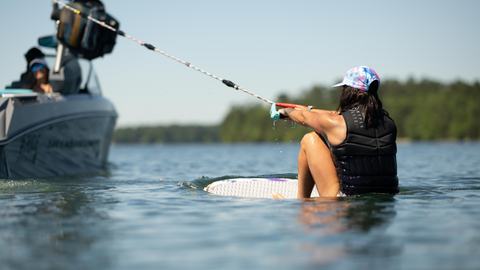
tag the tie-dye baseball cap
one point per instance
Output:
(360, 78)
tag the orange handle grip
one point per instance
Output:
(290, 105)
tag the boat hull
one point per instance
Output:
(73, 140)
(64, 148)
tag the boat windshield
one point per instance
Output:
(90, 83)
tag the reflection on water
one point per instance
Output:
(342, 227)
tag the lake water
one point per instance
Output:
(148, 211)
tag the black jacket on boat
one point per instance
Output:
(366, 160)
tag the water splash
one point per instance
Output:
(26, 186)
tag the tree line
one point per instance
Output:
(166, 134)
(422, 110)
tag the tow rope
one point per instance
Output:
(274, 114)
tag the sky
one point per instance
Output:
(268, 47)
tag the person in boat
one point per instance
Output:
(360, 154)
(39, 76)
(27, 77)
(29, 56)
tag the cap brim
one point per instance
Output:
(38, 61)
(338, 84)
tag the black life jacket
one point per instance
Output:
(366, 160)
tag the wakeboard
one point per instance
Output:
(256, 187)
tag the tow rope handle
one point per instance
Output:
(275, 115)
(290, 105)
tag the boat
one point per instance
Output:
(69, 131)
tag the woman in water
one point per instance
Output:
(40, 83)
(360, 155)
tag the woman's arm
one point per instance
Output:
(318, 111)
(312, 119)
(330, 123)
(313, 110)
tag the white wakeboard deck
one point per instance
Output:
(256, 187)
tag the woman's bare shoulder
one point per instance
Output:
(334, 127)
(332, 118)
